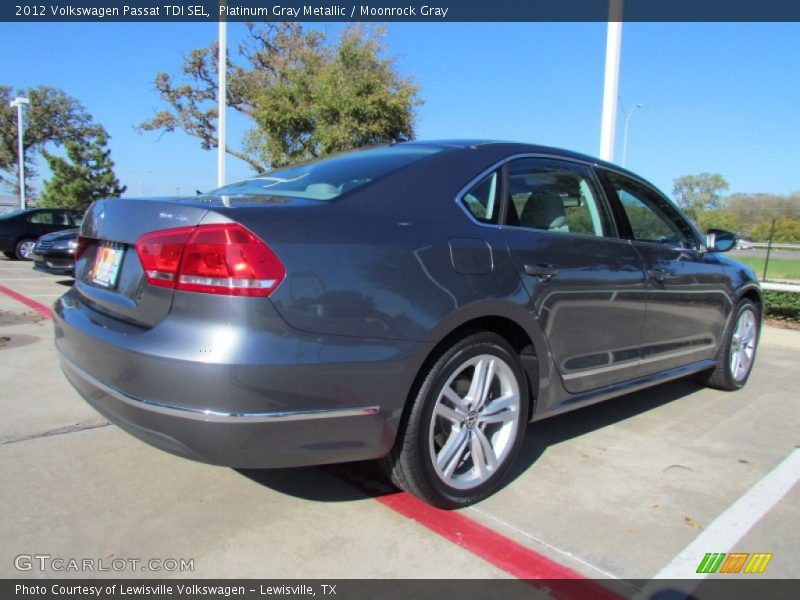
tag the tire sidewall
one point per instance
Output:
(442, 371)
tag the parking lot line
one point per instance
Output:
(541, 542)
(733, 524)
(40, 308)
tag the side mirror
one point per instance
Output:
(719, 240)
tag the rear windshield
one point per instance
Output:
(328, 178)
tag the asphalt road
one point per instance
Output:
(617, 490)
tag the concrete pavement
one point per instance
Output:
(614, 490)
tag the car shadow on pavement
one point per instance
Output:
(335, 483)
(552, 431)
(357, 481)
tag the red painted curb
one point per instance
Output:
(493, 547)
(40, 308)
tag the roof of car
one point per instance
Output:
(514, 148)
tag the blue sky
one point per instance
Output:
(717, 97)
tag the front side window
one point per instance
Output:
(648, 215)
(554, 195)
(481, 200)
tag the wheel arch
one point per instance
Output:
(512, 323)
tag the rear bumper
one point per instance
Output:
(298, 400)
(254, 440)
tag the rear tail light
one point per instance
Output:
(83, 244)
(160, 254)
(212, 259)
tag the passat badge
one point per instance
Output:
(171, 217)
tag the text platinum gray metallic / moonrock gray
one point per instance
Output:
(417, 303)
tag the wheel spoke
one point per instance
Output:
(454, 416)
(450, 454)
(744, 361)
(476, 452)
(478, 381)
(457, 401)
(487, 385)
(500, 410)
(486, 449)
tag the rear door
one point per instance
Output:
(586, 285)
(43, 222)
(687, 296)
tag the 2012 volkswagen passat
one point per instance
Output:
(417, 303)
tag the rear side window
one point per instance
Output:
(42, 218)
(554, 195)
(329, 178)
(482, 202)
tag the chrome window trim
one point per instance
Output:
(217, 416)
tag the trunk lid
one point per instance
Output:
(117, 224)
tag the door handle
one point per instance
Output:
(542, 273)
(657, 275)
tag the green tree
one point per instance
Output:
(695, 193)
(305, 95)
(52, 117)
(83, 176)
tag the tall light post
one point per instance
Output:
(139, 179)
(222, 77)
(628, 115)
(18, 103)
(608, 124)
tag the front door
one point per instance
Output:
(586, 286)
(687, 299)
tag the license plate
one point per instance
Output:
(105, 270)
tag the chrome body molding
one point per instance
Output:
(217, 416)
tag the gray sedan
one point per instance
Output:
(417, 303)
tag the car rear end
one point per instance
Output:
(170, 333)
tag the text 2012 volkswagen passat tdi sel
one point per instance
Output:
(418, 303)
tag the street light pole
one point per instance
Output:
(17, 103)
(608, 123)
(222, 76)
(628, 115)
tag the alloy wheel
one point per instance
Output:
(475, 421)
(743, 345)
(25, 249)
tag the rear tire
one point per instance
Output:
(24, 249)
(737, 353)
(466, 425)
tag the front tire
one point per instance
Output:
(24, 249)
(737, 353)
(466, 425)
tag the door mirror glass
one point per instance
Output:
(719, 240)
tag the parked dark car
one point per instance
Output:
(54, 253)
(20, 229)
(419, 303)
